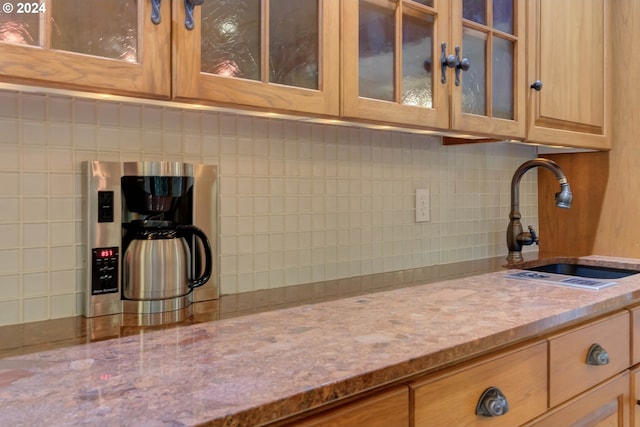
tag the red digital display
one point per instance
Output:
(105, 253)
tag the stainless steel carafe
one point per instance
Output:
(157, 261)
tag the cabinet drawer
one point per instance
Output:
(390, 408)
(451, 398)
(607, 405)
(569, 372)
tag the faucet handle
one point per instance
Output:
(534, 235)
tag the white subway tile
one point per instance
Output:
(63, 233)
(10, 287)
(63, 282)
(9, 104)
(35, 209)
(59, 109)
(34, 133)
(34, 184)
(172, 119)
(85, 111)
(10, 312)
(63, 306)
(192, 144)
(229, 264)
(131, 116)
(108, 139)
(9, 209)
(108, 113)
(63, 257)
(35, 309)
(60, 160)
(34, 107)
(172, 143)
(228, 284)
(85, 137)
(10, 158)
(62, 184)
(35, 234)
(35, 284)
(35, 259)
(9, 131)
(152, 143)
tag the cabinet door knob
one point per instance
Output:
(492, 403)
(537, 85)
(597, 355)
(189, 6)
(453, 61)
(443, 63)
(155, 12)
(461, 65)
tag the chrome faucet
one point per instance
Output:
(516, 238)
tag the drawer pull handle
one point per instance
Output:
(597, 355)
(492, 403)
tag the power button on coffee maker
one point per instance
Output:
(105, 206)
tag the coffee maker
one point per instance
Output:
(151, 245)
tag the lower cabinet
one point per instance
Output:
(582, 376)
(504, 390)
(386, 409)
(606, 405)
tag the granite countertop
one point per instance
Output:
(258, 368)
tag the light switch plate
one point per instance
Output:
(423, 205)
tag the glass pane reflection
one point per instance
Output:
(105, 28)
(425, 2)
(474, 79)
(475, 10)
(417, 61)
(293, 43)
(231, 38)
(503, 15)
(23, 28)
(502, 68)
(376, 56)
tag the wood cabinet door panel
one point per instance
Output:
(381, 63)
(497, 71)
(569, 52)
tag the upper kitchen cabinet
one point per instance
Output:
(275, 55)
(97, 45)
(568, 71)
(446, 65)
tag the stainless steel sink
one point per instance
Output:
(574, 275)
(591, 271)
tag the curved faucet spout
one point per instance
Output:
(516, 238)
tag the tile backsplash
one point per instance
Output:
(300, 202)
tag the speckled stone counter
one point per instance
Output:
(258, 368)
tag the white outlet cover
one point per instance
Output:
(423, 205)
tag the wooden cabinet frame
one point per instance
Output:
(60, 69)
(190, 84)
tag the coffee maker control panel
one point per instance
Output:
(104, 269)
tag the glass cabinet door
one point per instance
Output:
(489, 96)
(276, 54)
(110, 46)
(391, 61)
